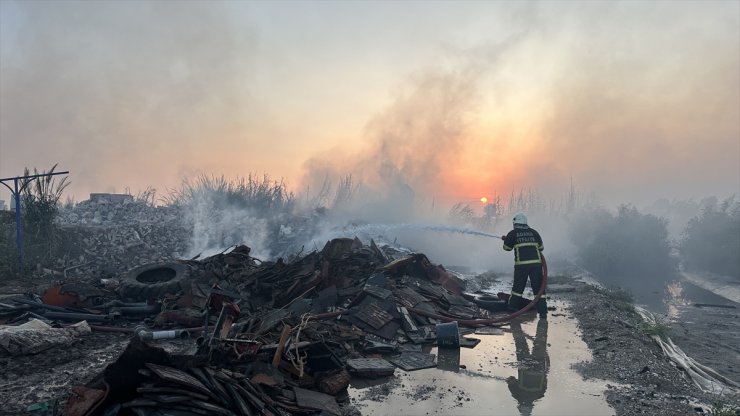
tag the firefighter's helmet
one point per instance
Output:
(520, 219)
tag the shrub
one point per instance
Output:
(711, 241)
(629, 244)
(39, 206)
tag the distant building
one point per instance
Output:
(105, 198)
(12, 203)
(2, 205)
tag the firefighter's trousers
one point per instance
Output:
(521, 273)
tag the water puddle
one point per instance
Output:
(526, 370)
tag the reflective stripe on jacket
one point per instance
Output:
(526, 243)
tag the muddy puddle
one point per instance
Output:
(524, 370)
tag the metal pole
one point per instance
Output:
(17, 195)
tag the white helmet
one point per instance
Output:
(520, 218)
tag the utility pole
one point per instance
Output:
(16, 192)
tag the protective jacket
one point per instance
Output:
(526, 243)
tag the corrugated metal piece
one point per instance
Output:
(410, 361)
(370, 367)
(373, 315)
(315, 400)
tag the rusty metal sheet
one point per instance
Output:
(373, 315)
(83, 400)
(334, 383)
(308, 399)
(79, 295)
(425, 287)
(410, 361)
(262, 378)
(408, 297)
(447, 280)
(378, 292)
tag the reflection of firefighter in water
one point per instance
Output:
(531, 383)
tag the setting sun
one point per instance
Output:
(484, 199)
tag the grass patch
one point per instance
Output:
(621, 299)
(724, 409)
(658, 328)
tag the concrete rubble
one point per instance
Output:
(258, 338)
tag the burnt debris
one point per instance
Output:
(256, 338)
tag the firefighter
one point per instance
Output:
(527, 245)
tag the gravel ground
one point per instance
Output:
(645, 381)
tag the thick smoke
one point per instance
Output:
(120, 93)
(409, 146)
(400, 176)
(643, 110)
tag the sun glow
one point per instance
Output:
(484, 199)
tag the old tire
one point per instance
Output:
(153, 281)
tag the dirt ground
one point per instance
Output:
(645, 381)
(642, 381)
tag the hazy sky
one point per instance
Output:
(634, 100)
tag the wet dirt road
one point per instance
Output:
(525, 370)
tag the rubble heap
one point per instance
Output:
(273, 338)
(106, 239)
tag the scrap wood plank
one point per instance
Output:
(253, 398)
(309, 399)
(241, 404)
(140, 402)
(171, 390)
(176, 376)
(178, 411)
(212, 408)
(168, 398)
(220, 389)
(189, 410)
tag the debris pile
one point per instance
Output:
(265, 338)
(105, 239)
